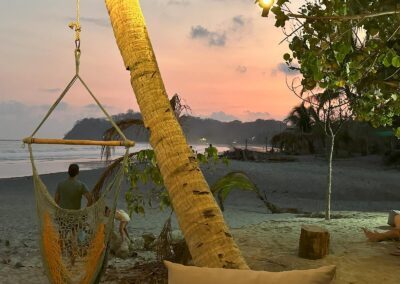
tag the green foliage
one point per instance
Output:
(143, 170)
(397, 133)
(143, 173)
(233, 180)
(359, 57)
(280, 16)
(211, 153)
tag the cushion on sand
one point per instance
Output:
(179, 274)
(394, 218)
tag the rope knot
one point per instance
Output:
(28, 140)
(77, 28)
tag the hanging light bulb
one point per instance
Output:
(265, 4)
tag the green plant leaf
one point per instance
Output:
(397, 132)
(396, 61)
(233, 180)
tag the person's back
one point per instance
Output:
(69, 192)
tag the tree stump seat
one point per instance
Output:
(314, 242)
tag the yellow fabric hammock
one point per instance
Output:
(73, 243)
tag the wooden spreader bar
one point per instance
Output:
(30, 140)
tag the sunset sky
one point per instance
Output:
(220, 56)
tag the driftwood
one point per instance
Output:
(314, 242)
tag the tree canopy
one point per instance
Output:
(352, 47)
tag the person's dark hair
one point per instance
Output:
(73, 170)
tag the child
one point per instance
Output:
(123, 219)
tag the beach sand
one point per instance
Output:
(363, 192)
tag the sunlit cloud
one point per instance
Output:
(283, 69)
(213, 38)
(51, 90)
(251, 116)
(222, 116)
(178, 2)
(238, 20)
(241, 69)
(219, 37)
(245, 116)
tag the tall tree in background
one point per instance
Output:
(331, 112)
(199, 216)
(350, 47)
(328, 111)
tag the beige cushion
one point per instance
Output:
(179, 274)
(394, 218)
(397, 221)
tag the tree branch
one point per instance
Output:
(343, 18)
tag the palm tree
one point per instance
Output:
(199, 216)
(302, 118)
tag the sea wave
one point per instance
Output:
(14, 158)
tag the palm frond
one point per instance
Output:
(178, 106)
(107, 174)
(238, 180)
(112, 134)
(302, 118)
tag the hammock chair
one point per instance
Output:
(73, 243)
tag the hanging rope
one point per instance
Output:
(74, 243)
(76, 26)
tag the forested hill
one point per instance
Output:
(195, 128)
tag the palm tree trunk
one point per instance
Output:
(199, 216)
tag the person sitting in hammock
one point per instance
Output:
(70, 191)
(393, 234)
(69, 196)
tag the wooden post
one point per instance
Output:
(314, 242)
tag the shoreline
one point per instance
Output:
(85, 166)
(15, 162)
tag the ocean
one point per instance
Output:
(15, 162)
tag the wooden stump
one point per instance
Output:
(314, 242)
